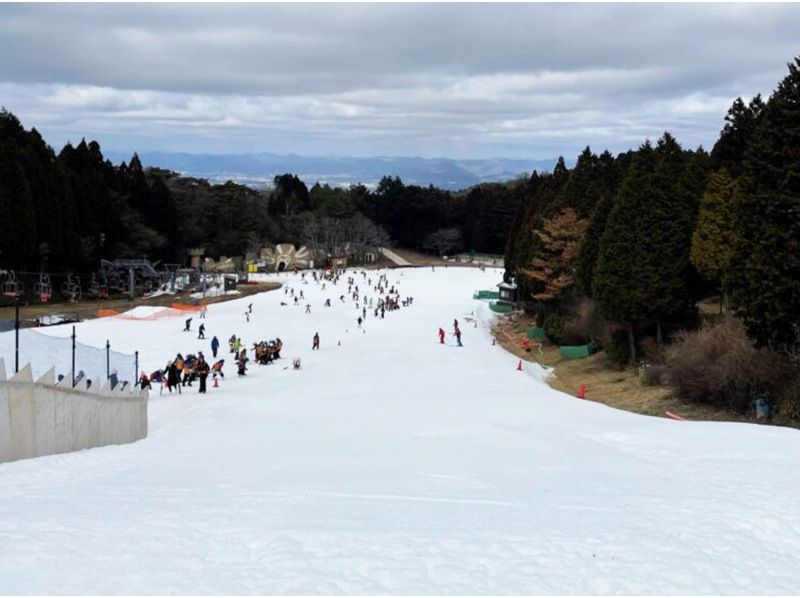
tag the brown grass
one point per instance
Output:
(605, 382)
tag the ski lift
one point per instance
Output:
(11, 286)
(94, 287)
(103, 287)
(71, 289)
(43, 289)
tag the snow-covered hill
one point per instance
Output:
(391, 464)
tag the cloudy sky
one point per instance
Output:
(453, 80)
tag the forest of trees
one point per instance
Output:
(66, 211)
(636, 240)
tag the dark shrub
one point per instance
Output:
(718, 365)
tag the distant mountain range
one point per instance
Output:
(259, 169)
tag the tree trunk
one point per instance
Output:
(659, 335)
(632, 343)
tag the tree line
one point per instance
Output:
(639, 238)
(67, 211)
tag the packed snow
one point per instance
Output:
(392, 464)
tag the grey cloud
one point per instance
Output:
(468, 80)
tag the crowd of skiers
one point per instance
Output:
(181, 372)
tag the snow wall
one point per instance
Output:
(44, 418)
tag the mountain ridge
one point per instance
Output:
(258, 169)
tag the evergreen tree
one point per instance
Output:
(740, 123)
(713, 238)
(643, 274)
(765, 280)
(590, 247)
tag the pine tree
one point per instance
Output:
(643, 273)
(765, 280)
(714, 236)
(590, 247)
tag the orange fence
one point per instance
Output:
(185, 307)
(107, 313)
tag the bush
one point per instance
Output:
(554, 328)
(652, 374)
(789, 398)
(617, 345)
(585, 325)
(719, 365)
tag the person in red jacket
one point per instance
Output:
(441, 336)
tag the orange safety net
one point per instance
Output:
(156, 315)
(107, 313)
(185, 307)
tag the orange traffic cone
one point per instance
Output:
(519, 366)
(216, 382)
(582, 392)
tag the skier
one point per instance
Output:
(250, 308)
(315, 343)
(201, 332)
(441, 336)
(458, 337)
(214, 346)
(242, 362)
(247, 316)
(144, 380)
(359, 321)
(308, 308)
(188, 325)
(202, 369)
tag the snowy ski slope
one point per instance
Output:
(395, 465)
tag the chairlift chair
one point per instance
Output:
(43, 289)
(11, 286)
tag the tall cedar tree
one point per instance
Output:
(643, 273)
(765, 279)
(560, 237)
(740, 123)
(714, 236)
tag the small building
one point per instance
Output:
(508, 293)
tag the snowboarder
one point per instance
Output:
(188, 325)
(441, 336)
(315, 342)
(214, 346)
(201, 332)
(202, 369)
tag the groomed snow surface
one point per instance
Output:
(394, 465)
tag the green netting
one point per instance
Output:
(574, 352)
(536, 333)
(486, 295)
(501, 308)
